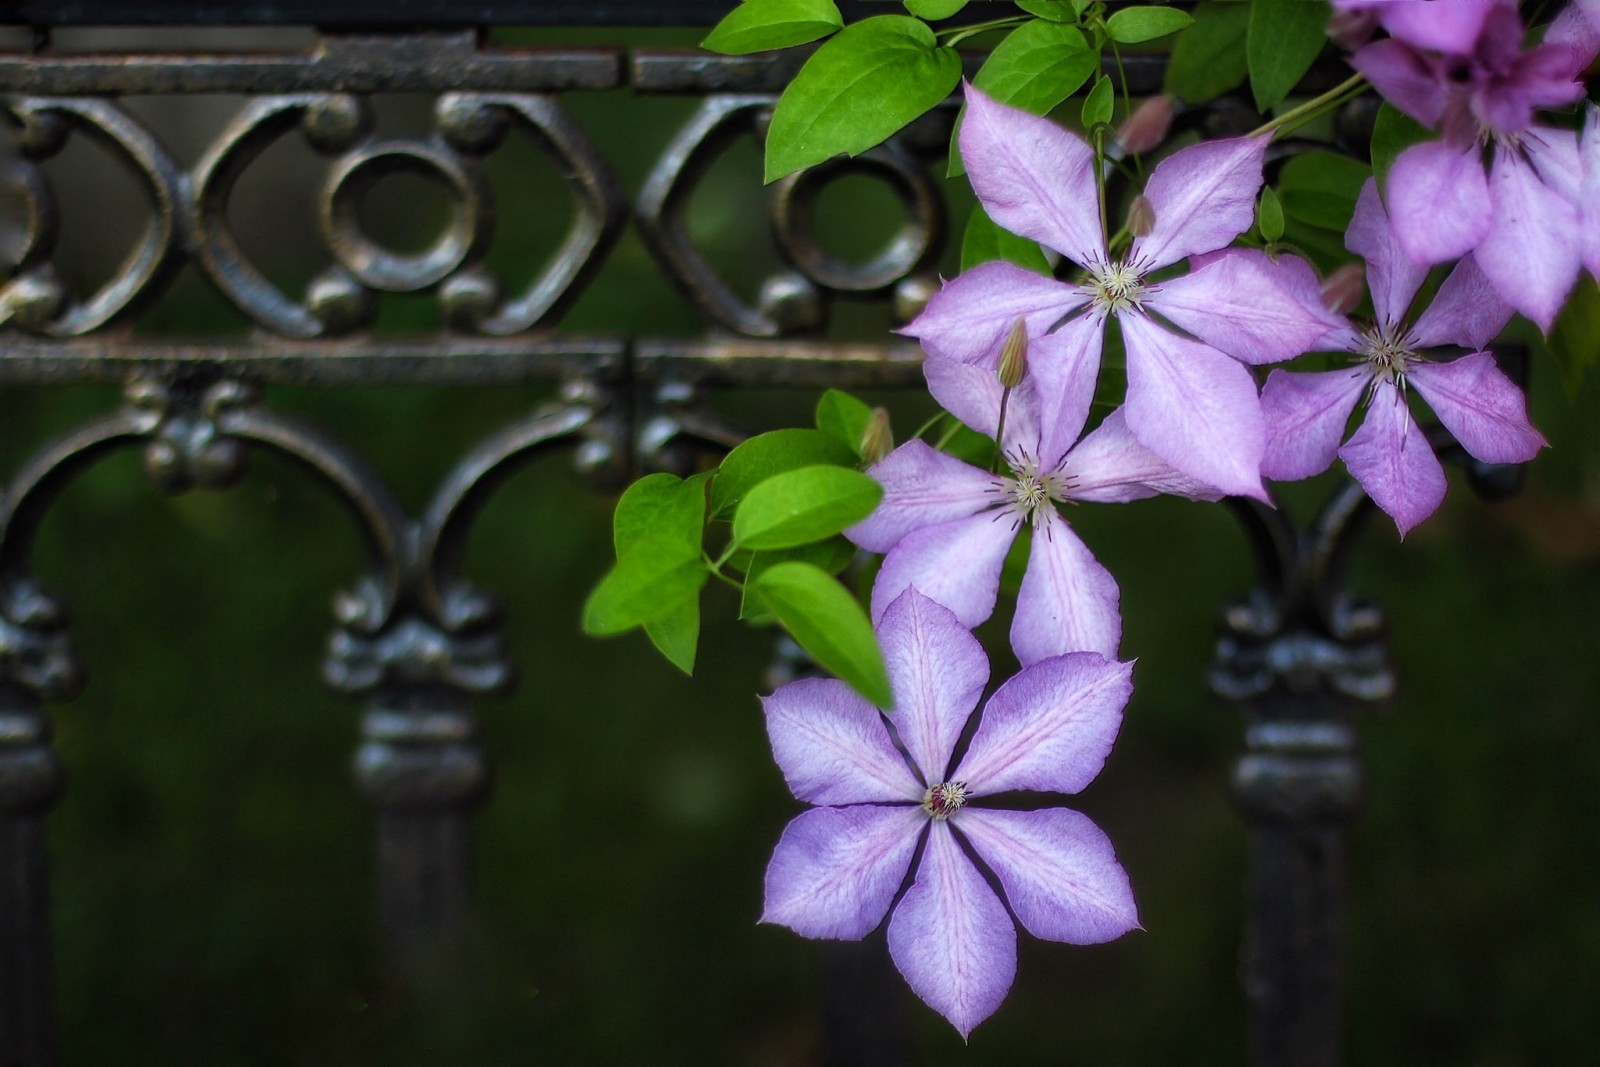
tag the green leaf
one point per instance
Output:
(758, 25)
(829, 624)
(865, 83)
(802, 506)
(1321, 188)
(1037, 65)
(933, 10)
(651, 578)
(1054, 10)
(1269, 215)
(1575, 337)
(844, 418)
(1134, 25)
(1209, 59)
(986, 241)
(676, 634)
(1284, 39)
(662, 504)
(830, 556)
(1098, 104)
(1392, 133)
(769, 454)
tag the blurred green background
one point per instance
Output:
(213, 868)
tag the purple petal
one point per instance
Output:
(968, 319)
(951, 937)
(1033, 177)
(1392, 276)
(1440, 27)
(1306, 415)
(833, 747)
(1050, 727)
(1554, 155)
(1064, 366)
(1110, 466)
(1249, 307)
(937, 671)
(1467, 310)
(1577, 31)
(1483, 408)
(836, 870)
(921, 487)
(1068, 601)
(1203, 196)
(971, 392)
(1390, 457)
(1589, 189)
(1059, 872)
(1539, 78)
(1404, 78)
(1194, 407)
(955, 563)
(1438, 201)
(1534, 248)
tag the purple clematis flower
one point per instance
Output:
(1460, 67)
(946, 526)
(1389, 455)
(839, 867)
(1188, 402)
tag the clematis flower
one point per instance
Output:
(1389, 455)
(1459, 67)
(946, 526)
(839, 867)
(1188, 402)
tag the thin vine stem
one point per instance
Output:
(961, 33)
(1296, 117)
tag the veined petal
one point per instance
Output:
(1068, 601)
(1534, 247)
(1064, 366)
(951, 937)
(1438, 201)
(833, 747)
(1033, 177)
(1306, 415)
(1049, 727)
(1589, 187)
(1110, 466)
(921, 487)
(1404, 78)
(968, 319)
(1393, 278)
(1483, 408)
(836, 870)
(1449, 27)
(1247, 306)
(955, 563)
(1554, 155)
(1576, 30)
(1059, 872)
(1203, 197)
(937, 671)
(1389, 455)
(971, 392)
(1194, 407)
(1467, 310)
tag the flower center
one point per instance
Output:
(945, 799)
(1387, 353)
(1117, 287)
(1031, 490)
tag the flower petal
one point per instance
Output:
(1194, 407)
(937, 671)
(836, 870)
(1577, 31)
(921, 487)
(1068, 601)
(1404, 78)
(1589, 188)
(1450, 27)
(833, 747)
(1483, 408)
(1064, 365)
(1110, 466)
(1534, 247)
(1033, 177)
(1049, 727)
(1306, 416)
(955, 563)
(1203, 197)
(1059, 872)
(1393, 277)
(1248, 306)
(1466, 311)
(968, 319)
(951, 937)
(971, 392)
(1438, 201)
(1389, 455)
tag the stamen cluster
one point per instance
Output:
(1117, 287)
(1031, 490)
(945, 799)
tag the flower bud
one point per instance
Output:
(1148, 125)
(1014, 355)
(1141, 216)
(877, 440)
(1343, 289)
